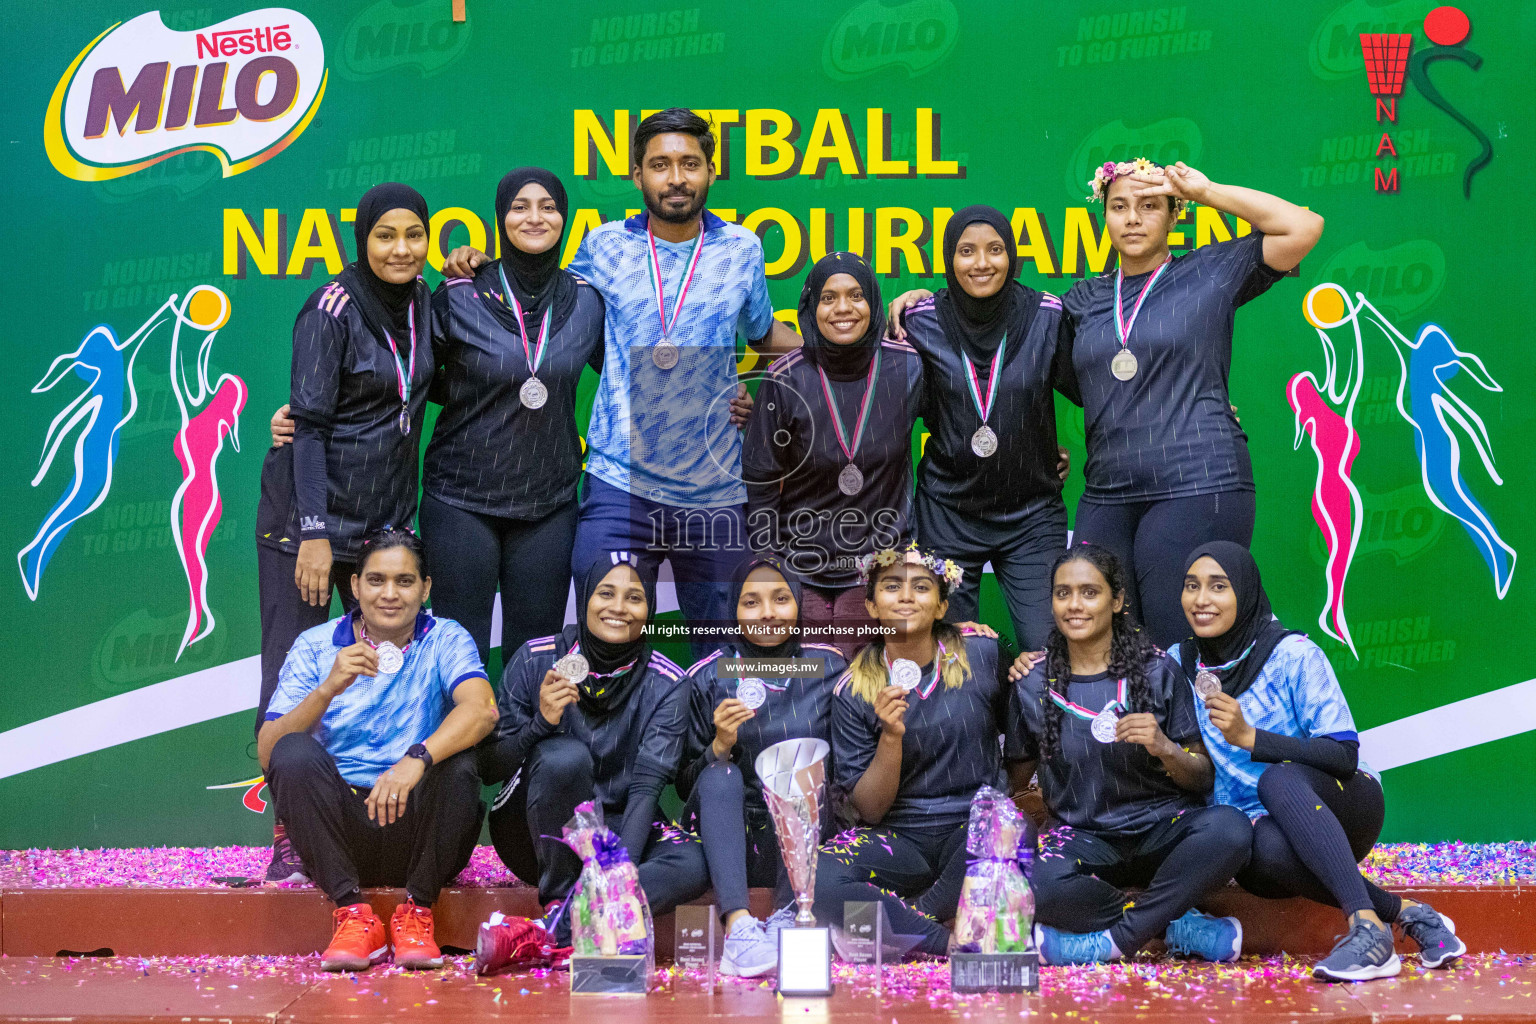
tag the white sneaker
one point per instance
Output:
(784, 917)
(748, 953)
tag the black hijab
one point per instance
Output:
(534, 277)
(841, 362)
(980, 324)
(384, 305)
(790, 648)
(1255, 623)
(601, 655)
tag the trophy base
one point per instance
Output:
(805, 962)
(994, 972)
(609, 975)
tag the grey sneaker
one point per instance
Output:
(748, 952)
(1362, 955)
(1434, 932)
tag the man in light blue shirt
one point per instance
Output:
(663, 457)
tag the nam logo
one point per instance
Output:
(140, 93)
(874, 35)
(390, 35)
(101, 368)
(1440, 418)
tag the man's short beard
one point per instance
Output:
(658, 209)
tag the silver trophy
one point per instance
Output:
(793, 774)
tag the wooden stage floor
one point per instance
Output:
(1485, 988)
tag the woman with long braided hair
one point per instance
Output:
(1109, 722)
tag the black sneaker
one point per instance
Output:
(1365, 953)
(1434, 932)
(285, 866)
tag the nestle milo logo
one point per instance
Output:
(1335, 50)
(1399, 280)
(1163, 142)
(386, 36)
(875, 35)
(141, 648)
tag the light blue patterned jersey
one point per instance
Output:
(661, 434)
(1296, 694)
(371, 724)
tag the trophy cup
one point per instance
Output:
(793, 774)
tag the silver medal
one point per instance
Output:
(390, 658)
(664, 355)
(984, 442)
(533, 393)
(1105, 723)
(752, 693)
(851, 480)
(1207, 685)
(906, 674)
(404, 422)
(1123, 366)
(573, 667)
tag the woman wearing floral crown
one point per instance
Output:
(915, 726)
(1168, 464)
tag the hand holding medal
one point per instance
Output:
(559, 688)
(1227, 715)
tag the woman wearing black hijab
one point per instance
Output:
(499, 479)
(593, 713)
(735, 718)
(827, 457)
(362, 363)
(989, 484)
(1281, 736)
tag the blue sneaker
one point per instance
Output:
(1434, 933)
(1364, 954)
(1058, 947)
(1217, 939)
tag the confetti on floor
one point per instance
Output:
(1391, 864)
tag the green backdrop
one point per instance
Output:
(1005, 104)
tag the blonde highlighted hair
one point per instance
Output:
(867, 676)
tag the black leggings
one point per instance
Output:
(1311, 842)
(1152, 538)
(472, 554)
(424, 849)
(526, 831)
(1080, 876)
(285, 614)
(925, 866)
(740, 853)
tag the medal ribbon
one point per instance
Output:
(536, 356)
(1122, 325)
(1078, 711)
(682, 293)
(603, 675)
(984, 409)
(938, 669)
(837, 416)
(362, 630)
(402, 375)
(1201, 666)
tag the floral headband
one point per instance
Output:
(1105, 174)
(943, 568)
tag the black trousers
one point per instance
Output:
(1080, 876)
(1312, 841)
(525, 829)
(473, 555)
(285, 614)
(342, 850)
(916, 872)
(1152, 538)
(1020, 549)
(740, 853)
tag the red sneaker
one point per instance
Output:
(358, 942)
(511, 941)
(410, 932)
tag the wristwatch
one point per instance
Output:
(419, 750)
